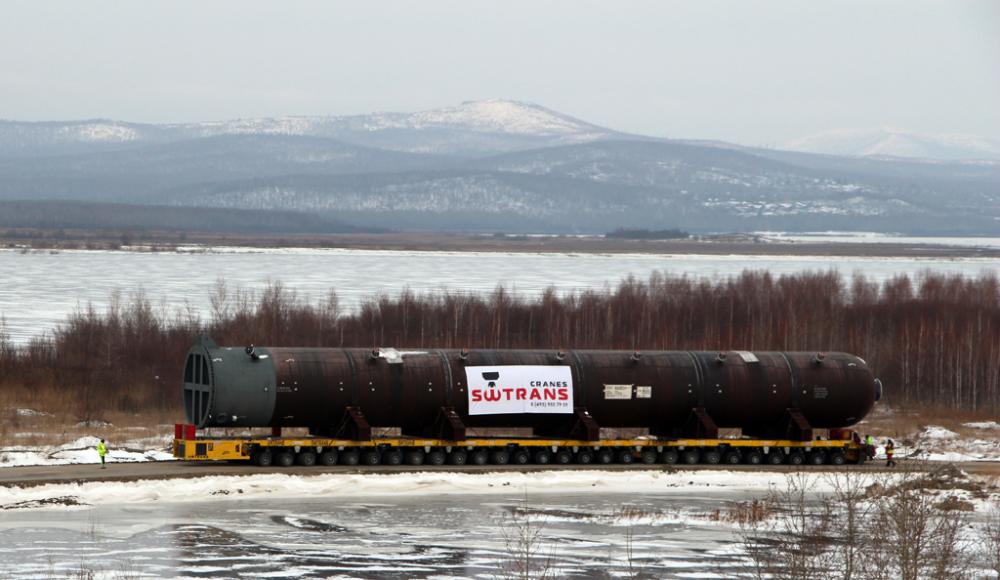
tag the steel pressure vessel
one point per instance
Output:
(312, 387)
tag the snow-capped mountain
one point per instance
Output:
(890, 142)
(470, 129)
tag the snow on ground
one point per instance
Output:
(936, 443)
(340, 485)
(84, 450)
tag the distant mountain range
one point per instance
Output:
(489, 166)
(888, 142)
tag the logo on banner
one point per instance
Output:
(519, 389)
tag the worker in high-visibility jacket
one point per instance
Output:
(870, 447)
(102, 450)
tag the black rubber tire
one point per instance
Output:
(753, 457)
(585, 457)
(670, 457)
(542, 457)
(648, 456)
(284, 459)
(500, 457)
(564, 457)
(775, 457)
(327, 458)
(625, 456)
(520, 457)
(371, 457)
(351, 457)
(816, 458)
(264, 458)
(796, 458)
(305, 458)
(458, 457)
(414, 457)
(605, 456)
(837, 458)
(711, 457)
(436, 457)
(479, 457)
(393, 457)
(732, 457)
(691, 456)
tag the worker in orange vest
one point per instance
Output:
(890, 448)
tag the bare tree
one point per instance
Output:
(526, 554)
(991, 543)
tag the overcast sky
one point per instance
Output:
(751, 72)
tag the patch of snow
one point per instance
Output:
(31, 413)
(94, 424)
(982, 425)
(935, 432)
(99, 132)
(84, 450)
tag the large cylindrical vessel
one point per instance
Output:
(658, 390)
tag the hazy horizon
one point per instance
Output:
(753, 73)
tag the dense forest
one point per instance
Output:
(934, 339)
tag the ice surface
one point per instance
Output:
(35, 300)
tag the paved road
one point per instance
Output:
(40, 475)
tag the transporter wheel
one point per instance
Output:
(670, 457)
(371, 457)
(394, 457)
(712, 457)
(436, 457)
(263, 458)
(349, 457)
(479, 457)
(521, 457)
(414, 457)
(796, 458)
(585, 457)
(500, 457)
(816, 458)
(691, 456)
(625, 456)
(458, 457)
(605, 456)
(732, 457)
(328, 458)
(837, 458)
(284, 459)
(753, 457)
(306, 458)
(775, 457)
(648, 456)
(542, 457)
(564, 457)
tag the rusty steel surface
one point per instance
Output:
(312, 387)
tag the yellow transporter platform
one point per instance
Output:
(415, 451)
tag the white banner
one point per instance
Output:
(519, 389)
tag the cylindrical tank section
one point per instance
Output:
(668, 392)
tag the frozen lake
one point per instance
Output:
(460, 536)
(39, 289)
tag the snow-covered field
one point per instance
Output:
(418, 484)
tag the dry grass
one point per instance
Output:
(899, 423)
